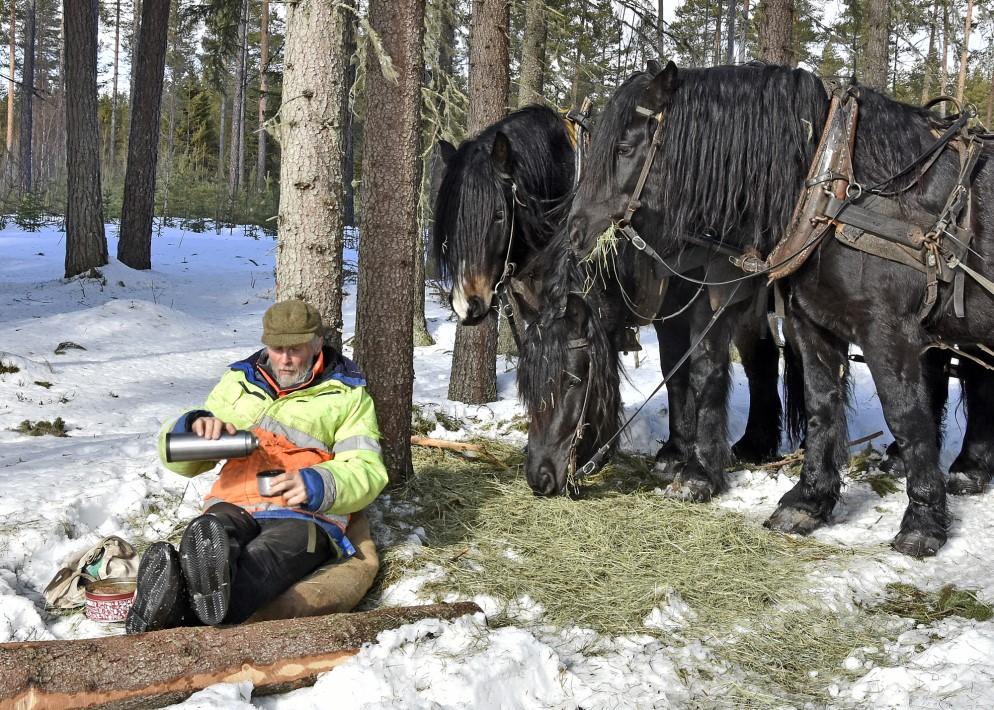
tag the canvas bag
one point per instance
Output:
(111, 557)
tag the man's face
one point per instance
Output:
(291, 363)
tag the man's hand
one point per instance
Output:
(291, 486)
(211, 427)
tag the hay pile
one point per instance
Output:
(605, 562)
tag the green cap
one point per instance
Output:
(290, 323)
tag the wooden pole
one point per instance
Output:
(165, 667)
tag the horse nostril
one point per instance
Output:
(545, 481)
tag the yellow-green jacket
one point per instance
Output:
(325, 428)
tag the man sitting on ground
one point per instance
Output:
(307, 404)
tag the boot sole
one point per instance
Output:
(204, 559)
(159, 586)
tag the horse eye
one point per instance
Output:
(624, 149)
(499, 216)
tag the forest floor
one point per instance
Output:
(622, 599)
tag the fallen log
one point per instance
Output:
(164, 667)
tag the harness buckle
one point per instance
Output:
(637, 242)
(587, 469)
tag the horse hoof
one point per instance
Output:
(750, 452)
(666, 471)
(792, 520)
(893, 466)
(917, 544)
(966, 483)
(692, 490)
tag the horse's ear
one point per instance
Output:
(501, 153)
(652, 67)
(446, 151)
(659, 92)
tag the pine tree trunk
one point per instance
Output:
(533, 54)
(730, 32)
(135, 246)
(348, 116)
(112, 163)
(12, 48)
(745, 31)
(474, 358)
(236, 156)
(660, 30)
(163, 667)
(716, 48)
(390, 191)
(222, 132)
(309, 255)
(930, 59)
(260, 165)
(86, 245)
(136, 15)
(776, 24)
(944, 73)
(876, 56)
(964, 55)
(26, 134)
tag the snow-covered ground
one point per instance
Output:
(152, 343)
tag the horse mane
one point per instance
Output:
(543, 167)
(738, 142)
(546, 345)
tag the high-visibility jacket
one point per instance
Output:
(325, 428)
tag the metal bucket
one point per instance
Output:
(110, 599)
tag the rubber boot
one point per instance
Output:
(209, 554)
(160, 599)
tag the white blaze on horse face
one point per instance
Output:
(465, 287)
(459, 303)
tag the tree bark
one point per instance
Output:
(931, 60)
(533, 54)
(260, 166)
(660, 30)
(474, 358)
(112, 142)
(135, 246)
(164, 667)
(876, 55)
(964, 55)
(26, 134)
(236, 157)
(309, 254)
(86, 244)
(348, 116)
(391, 176)
(730, 32)
(990, 102)
(745, 31)
(136, 14)
(776, 44)
(12, 48)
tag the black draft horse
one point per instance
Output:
(500, 200)
(734, 154)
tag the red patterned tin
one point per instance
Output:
(110, 599)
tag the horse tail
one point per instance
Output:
(794, 414)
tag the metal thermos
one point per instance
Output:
(190, 447)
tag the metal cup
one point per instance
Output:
(264, 480)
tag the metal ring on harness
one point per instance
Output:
(854, 194)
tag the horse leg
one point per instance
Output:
(760, 360)
(973, 468)
(808, 504)
(674, 339)
(935, 369)
(898, 373)
(704, 474)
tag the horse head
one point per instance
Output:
(610, 191)
(474, 222)
(568, 377)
